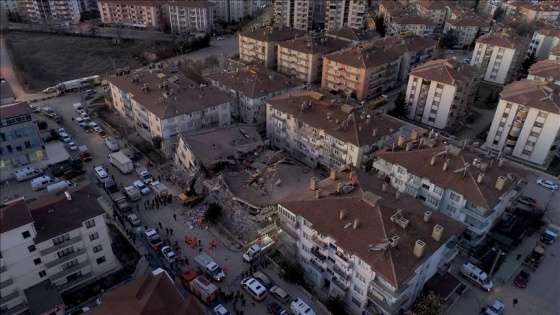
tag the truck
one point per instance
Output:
(144, 175)
(159, 188)
(535, 258)
(120, 161)
(117, 196)
(550, 234)
(72, 163)
(84, 153)
(112, 144)
(381, 100)
(132, 193)
(72, 85)
(154, 239)
(476, 276)
(208, 266)
(200, 287)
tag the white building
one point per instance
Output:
(295, 14)
(527, 121)
(11, 6)
(236, 10)
(345, 13)
(532, 11)
(543, 42)
(371, 247)
(195, 17)
(440, 92)
(51, 11)
(162, 104)
(416, 24)
(65, 242)
(545, 70)
(499, 56)
(467, 29)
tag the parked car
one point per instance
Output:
(60, 131)
(547, 184)
(72, 146)
(103, 134)
(522, 279)
(50, 112)
(280, 294)
(496, 308)
(221, 310)
(528, 201)
(90, 91)
(95, 126)
(276, 309)
(64, 137)
(169, 254)
(142, 187)
(88, 129)
(88, 97)
(73, 174)
(80, 121)
(264, 279)
(50, 89)
(220, 38)
(86, 117)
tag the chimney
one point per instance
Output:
(437, 232)
(333, 174)
(356, 223)
(401, 140)
(313, 183)
(342, 214)
(397, 194)
(419, 248)
(318, 194)
(68, 196)
(421, 142)
(395, 241)
(351, 174)
(446, 164)
(414, 134)
(384, 187)
(427, 216)
(500, 162)
(433, 161)
(409, 146)
(374, 133)
(479, 178)
(431, 134)
(500, 183)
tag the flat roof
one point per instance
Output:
(44, 298)
(14, 214)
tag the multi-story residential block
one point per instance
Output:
(360, 72)
(545, 70)
(236, 10)
(250, 88)
(490, 6)
(467, 29)
(411, 48)
(353, 35)
(295, 14)
(543, 42)
(302, 58)
(372, 247)
(436, 11)
(150, 14)
(20, 140)
(345, 13)
(51, 11)
(10, 7)
(461, 184)
(499, 56)
(163, 104)
(531, 11)
(525, 124)
(61, 239)
(441, 92)
(418, 25)
(555, 53)
(194, 17)
(260, 45)
(388, 10)
(324, 133)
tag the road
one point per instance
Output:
(7, 70)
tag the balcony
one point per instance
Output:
(317, 266)
(380, 301)
(315, 239)
(64, 259)
(9, 297)
(7, 283)
(60, 246)
(75, 282)
(339, 285)
(339, 272)
(69, 271)
(315, 252)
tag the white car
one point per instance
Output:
(496, 308)
(80, 121)
(142, 187)
(220, 38)
(547, 184)
(72, 146)
(60, 131)
(221, 310)
(95, 126)
(65, 137)
(169, 254)
(86, 117)
(50, 89)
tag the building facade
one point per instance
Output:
(345, 13)
(545, 70)
(51, 11)
(532, 11)
(436, 11)
(416, 24)
(20, 140)
(499, 56)
(237, 10)
(525, 125)
(467, 29)
(543, 42)
(151, 14)
(294, 14)
(194, 17)
(441, 92)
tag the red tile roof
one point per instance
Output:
(272, 35)
(352, 34)
(317, 45)
(14, 110)
(446, 71)
(540, 95)
(362, 58)
(401, 20)
(469, 21)
(548, 69)
(407, 42)
(504, 40)
(13, 215)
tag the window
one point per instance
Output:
(433, 201)
(401, 170)
(451, 209)
(97, 248)
(65, 252)
(42, 273)
(358, 290)
(26, 234)
(101, 260)
(61, 239)
(533, 134)
(543, 114)
(94, 236)
(90, 223)
(526, 152)
(37, 261)
(306, 236)
(360, 277)
(438, 190)
(426, 186)
(31, 248)
(70, 264)
(454, 197)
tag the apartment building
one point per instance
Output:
(236, 10)
(532, 11)
(467, 29)
(345, 13)
(418, 25)
(461, 184)
(361, 72)
(372, 247)
(302, 58)
(259, 45)
(162, 104)
(194, 17)
(353, 35)
(10, 7)
(490, 6)
(525, 124)
(322, 132)
(436, 11)
(545, 70)
(499, 56)
(411, 48)
(139, 14)
(441, 92)
(296, 14)
(388, 10)
(60, 240)
(21, 141)
(251, 88)
(543, 42)
(51, 11)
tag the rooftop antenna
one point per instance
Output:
(463, 169)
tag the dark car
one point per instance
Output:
(522, 279)
(276, 309)
(73, 174)
(103, 134)
(88, 129)
(528, 201)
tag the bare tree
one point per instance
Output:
(211, 62)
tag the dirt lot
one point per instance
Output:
(44, 60)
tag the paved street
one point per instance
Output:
(7, 70)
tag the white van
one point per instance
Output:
(112, 144)
(61, 185)
(101, 174)
(299, 307)
(26, 173)
(255, 288)
(252, 253)
(42, 182)
(476, 276)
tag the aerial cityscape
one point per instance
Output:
(231, 157)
